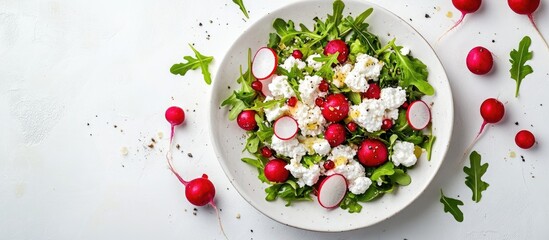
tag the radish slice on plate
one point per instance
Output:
(264, 63)
(265, 90)
(418, 115)
(332, 191)
(285, 127)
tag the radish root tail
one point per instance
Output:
(455, 25)
(169, 158)
(531, 17)
(219, 220)
(468, 149)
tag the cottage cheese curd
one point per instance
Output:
(393, 97)
(368, 114)
(310, 120)
(340, 74)
(290, 62)
(305, 176)
(360, 185)
(308, 89)
(403, 153)
(289, 148)
(341, 154)
(312, 63)
(280, 88)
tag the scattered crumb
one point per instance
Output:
(177, 146)
(437, 8)
(251, 230)
(124, 151)
(493, 41)
(88, 124)
(427, 16)
(238, 216)
(190, 155)
(522, 158)
(115, 126)
(516, 123)
(512, 154)
(200, 24)
(150, 145)
(449, 14)
(160, 135)
(153, 140)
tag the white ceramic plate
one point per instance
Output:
(228, 139)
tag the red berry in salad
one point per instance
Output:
(386, 124)
(324, 86)
(275, 171)
(297, 54)
(338, 46)
(329, 165)
(292, 101)
(373, 92)
(352, 126)
(525, 139)
(266, 152)
(257, 85)
(319, 101)
(336, 107)
(372, 153)
(335, 134)
(405, 105)
(246, 120)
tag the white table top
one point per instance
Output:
(81, 81)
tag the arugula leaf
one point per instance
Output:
(334, 20)
(428, 146)
(254, 162)
(519, 70)
(371, 193)
(451, 205)
(366, 38)
(474, 175)
(243, 98)
(350, 203)
(236, 104)
(401, 178)
(344, 28)
(326, 71)
(413, 71)
(240, 4)
(386, 169)
(200, 61)
(355, 98)
(288, 191)
(274, 40)
(252, 143)
(310, 160)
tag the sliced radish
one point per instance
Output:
(285, 127)
(418, 115)
(264, 63)
(266, 92)
(332, 191)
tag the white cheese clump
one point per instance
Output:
(276, 111)
(391, 114)
(289, 148)
(280, 88)
(360, 185)
(367, 67)
(310, 120)
(405, 51)
(305, 176)
(290, 62)
(369, 114)
(341, 154)
(312, 63)
(340, 74)
(308, 90)
(393, 97)
(403, 153)
(322, 147)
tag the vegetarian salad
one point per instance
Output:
(332, 113)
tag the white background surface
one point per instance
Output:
(64, 64)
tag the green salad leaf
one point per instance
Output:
(350, 203)
(428, 146)
(519, 70)
(242, 99)
(413, 71)
(289, 191)
(240, 4)
(474, 175)
(200, 61)
(451, 205)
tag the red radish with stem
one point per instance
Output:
(465, 7)
(264, 63)
(332, 190)
(492, 111)
(199, 191)
(527, 7)
(479, 60)
(175, 116)
(525, 139)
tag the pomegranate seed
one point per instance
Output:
(257, 85)
(352, 126)
(328, 165)
(292, 101)
(324, 86)
(405, 105)
(373, 92)
(297, 54)
(387, 124)
(319, 101)
(266, 152)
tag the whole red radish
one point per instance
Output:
(246, 120)
(373, 92)
(175, 116)
(465, 7)
(527, 7)
(275, 171)
(492, 111)
(337, 46)
(372, 153)
(335, 134)
(199, 191)
(479, 60)
(336, 107)
(525, 139)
